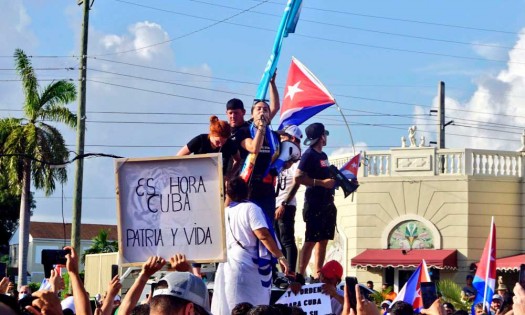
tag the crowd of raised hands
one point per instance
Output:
(47, 302)
(366, 307)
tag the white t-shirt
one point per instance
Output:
(244, 218)
(286, 179)
(68, 303)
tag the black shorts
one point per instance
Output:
(320, 221)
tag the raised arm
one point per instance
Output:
(80, 296)
(152, 265)
(275, 103)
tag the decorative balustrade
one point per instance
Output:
(447, 162)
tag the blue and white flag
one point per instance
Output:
(287, 26)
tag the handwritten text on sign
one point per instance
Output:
(310, 299)
(170, 205)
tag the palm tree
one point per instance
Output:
(30, 144)
(101, 244)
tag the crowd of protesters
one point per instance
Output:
(179, 291)
(259, 217)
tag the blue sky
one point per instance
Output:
(379, 59)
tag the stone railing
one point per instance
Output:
(446, 162)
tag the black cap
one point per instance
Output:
(314, 132)
(234, 103)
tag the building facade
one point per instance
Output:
(48, 235)
(418, 203)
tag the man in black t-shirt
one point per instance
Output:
(319, 212)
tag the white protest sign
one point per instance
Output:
(170, 205)
(310, 299)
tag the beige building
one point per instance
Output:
(47, 235)
(436, 204)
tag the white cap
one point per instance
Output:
(293, 131)
(186, 286)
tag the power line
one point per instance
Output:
(184, 35)
(307, 36)
(403, 20)
(367, 30)
(173, 71)
(156, 92)
(168, 82)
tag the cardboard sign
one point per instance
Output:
(170, 205)
(310, 299)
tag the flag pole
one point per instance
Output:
(487, 272)
(347, 126)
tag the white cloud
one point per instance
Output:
(347, 151)
(489, 50)
(15, 25)
(488, 117)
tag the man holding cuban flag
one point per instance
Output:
(485, 278)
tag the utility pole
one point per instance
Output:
(81, 119)
(441, 126)
(441, 115)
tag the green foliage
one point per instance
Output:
(34, 286)
(64, 293)
(101, 244)
(4, 259)
(451, 293)
(378, 297)
(26, 143)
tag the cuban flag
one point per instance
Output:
(485, 278)
(351, 167)
(287, 26)
(304, 96)
(411, 291)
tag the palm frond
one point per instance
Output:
(59, 92)
(451, 293)
(59, 113)
(26, 71)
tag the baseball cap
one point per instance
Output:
(186, 286)
(497, 297)
(332, 269)
(234, 103)
(387, 302)
(292, 130)
(314, 132)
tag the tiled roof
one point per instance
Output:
(49, 230)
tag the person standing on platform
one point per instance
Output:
(286, 204)
(319, 212)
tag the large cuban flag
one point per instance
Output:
(411, 291)
(304, 96)
(485, 278)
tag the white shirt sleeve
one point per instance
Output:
(256, 217)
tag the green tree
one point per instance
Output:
(451, 293)
(101, 244)
(30, 144)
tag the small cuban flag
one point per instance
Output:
(350, 168)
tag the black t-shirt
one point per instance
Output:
(262, 164)
(236, 138)
(315, 165)
(201, 145)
